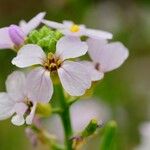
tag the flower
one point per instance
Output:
(73, 75)
(145, 136)
(17, 100)
(82, 112)
(14, 36)
(105, 57)
(71, 29)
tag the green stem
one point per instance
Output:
(65, 117)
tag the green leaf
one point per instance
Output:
(107, 142)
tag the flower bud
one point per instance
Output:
(16, 34)
(44, 110)
(90, 128)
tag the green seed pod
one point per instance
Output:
(90, 128)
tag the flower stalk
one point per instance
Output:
(65, 117)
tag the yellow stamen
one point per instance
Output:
(74, 28)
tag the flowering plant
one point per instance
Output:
(58, 75)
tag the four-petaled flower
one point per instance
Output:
(14, 36)
(70, 29)
(105, 57)
(17, 100)
(73, 75)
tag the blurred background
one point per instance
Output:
(124, 91)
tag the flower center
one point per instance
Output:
(74, 28)
(52, 63)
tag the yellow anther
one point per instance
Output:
(53, 65)
(74, 28)
(59, 62)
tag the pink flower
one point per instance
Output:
(105, 57)
(71, 29)
(14, 36)
(17, 101)
(73, 75)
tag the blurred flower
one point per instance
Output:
(14, 36)
(81, 114)
(105, 57)
(108, 15)
(145, 137)
(17, 100)
(31, 136)
(71, 29)
(73, 75)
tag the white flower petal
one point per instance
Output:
(68, 23)
(74, 78)
(20, 108)
(98, 34)
(15, 85)
(39, 85)
(53, 24)
(67, 32)
(6, 106)
(22, 23)
(5, 41)
(92, 71)
(94, 47)
(18, 120)
(30, 117)
(29, 55)
(33, 23)
(70, 47)
(112, 56)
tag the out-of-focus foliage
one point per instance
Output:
(125, 91)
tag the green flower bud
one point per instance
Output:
(90, 128)
(44, 110)
(45, 38)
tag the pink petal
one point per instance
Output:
(22, 24)
(67, 23)
(92, 71)
(15, 85)
(70, 47)
(29, 55)
(16, 34)
(33, 23)
(53, 24)
(6, 106)
(5, 41)
(74, 78)
(112, 56)
(30, 117)
(98, 34)
(40, 87)
(20, 108)
(67, 32)
(94, 47)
